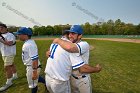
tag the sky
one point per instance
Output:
(54, 12)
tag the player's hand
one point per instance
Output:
(48, 53)
(99, 68)
(56, 40)
(34, 75)
(9, 43)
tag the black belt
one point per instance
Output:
(83, 76)
(40, 66)
(14, 43)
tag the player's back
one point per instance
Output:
(58, 64)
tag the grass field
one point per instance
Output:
(96, 36)
(120, 62)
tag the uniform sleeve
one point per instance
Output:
(83, 47)
(76, 60)
(33, 52)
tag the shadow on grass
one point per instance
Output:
(128, 91)
(99, 91)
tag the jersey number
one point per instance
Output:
(53, 49)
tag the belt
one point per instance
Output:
(78, 77)
(14, 43)
(40, 66)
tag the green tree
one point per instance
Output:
(87, 28)
(110, 27)
(49, 30)
(130, 29)
(104, 28)
(58, 30)
(13, 29)
(36, 30)
(138, 29)
(119, 27)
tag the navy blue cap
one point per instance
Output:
(24, 31)
(3, 25)
(76, 29)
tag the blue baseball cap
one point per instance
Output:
(76, 29)
(24, 31)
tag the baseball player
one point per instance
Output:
(30, 58)
(8, 51)
(80, 83)
(59, 66)
(58, 69)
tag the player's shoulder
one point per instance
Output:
(30, 43)
(10, 33)
(9, 36)
(85, 43)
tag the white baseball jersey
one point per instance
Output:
(29, 52)
(60, 63)
(5, 49)
(83, 47)
(82, 82)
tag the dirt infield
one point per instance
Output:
(110, 39)
(120, 40)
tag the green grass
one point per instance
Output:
(120, 62)
(95, 36)
(121, 67)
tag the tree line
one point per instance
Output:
(100, 28)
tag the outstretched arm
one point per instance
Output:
(89, 69)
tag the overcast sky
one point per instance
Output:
(54, 12)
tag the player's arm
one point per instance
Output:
(89, 69)
(35, 67)
(79, 64)
(9, 43)
(68, 46)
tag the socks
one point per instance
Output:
(15, 75)
(41, 79)
(34, 90)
